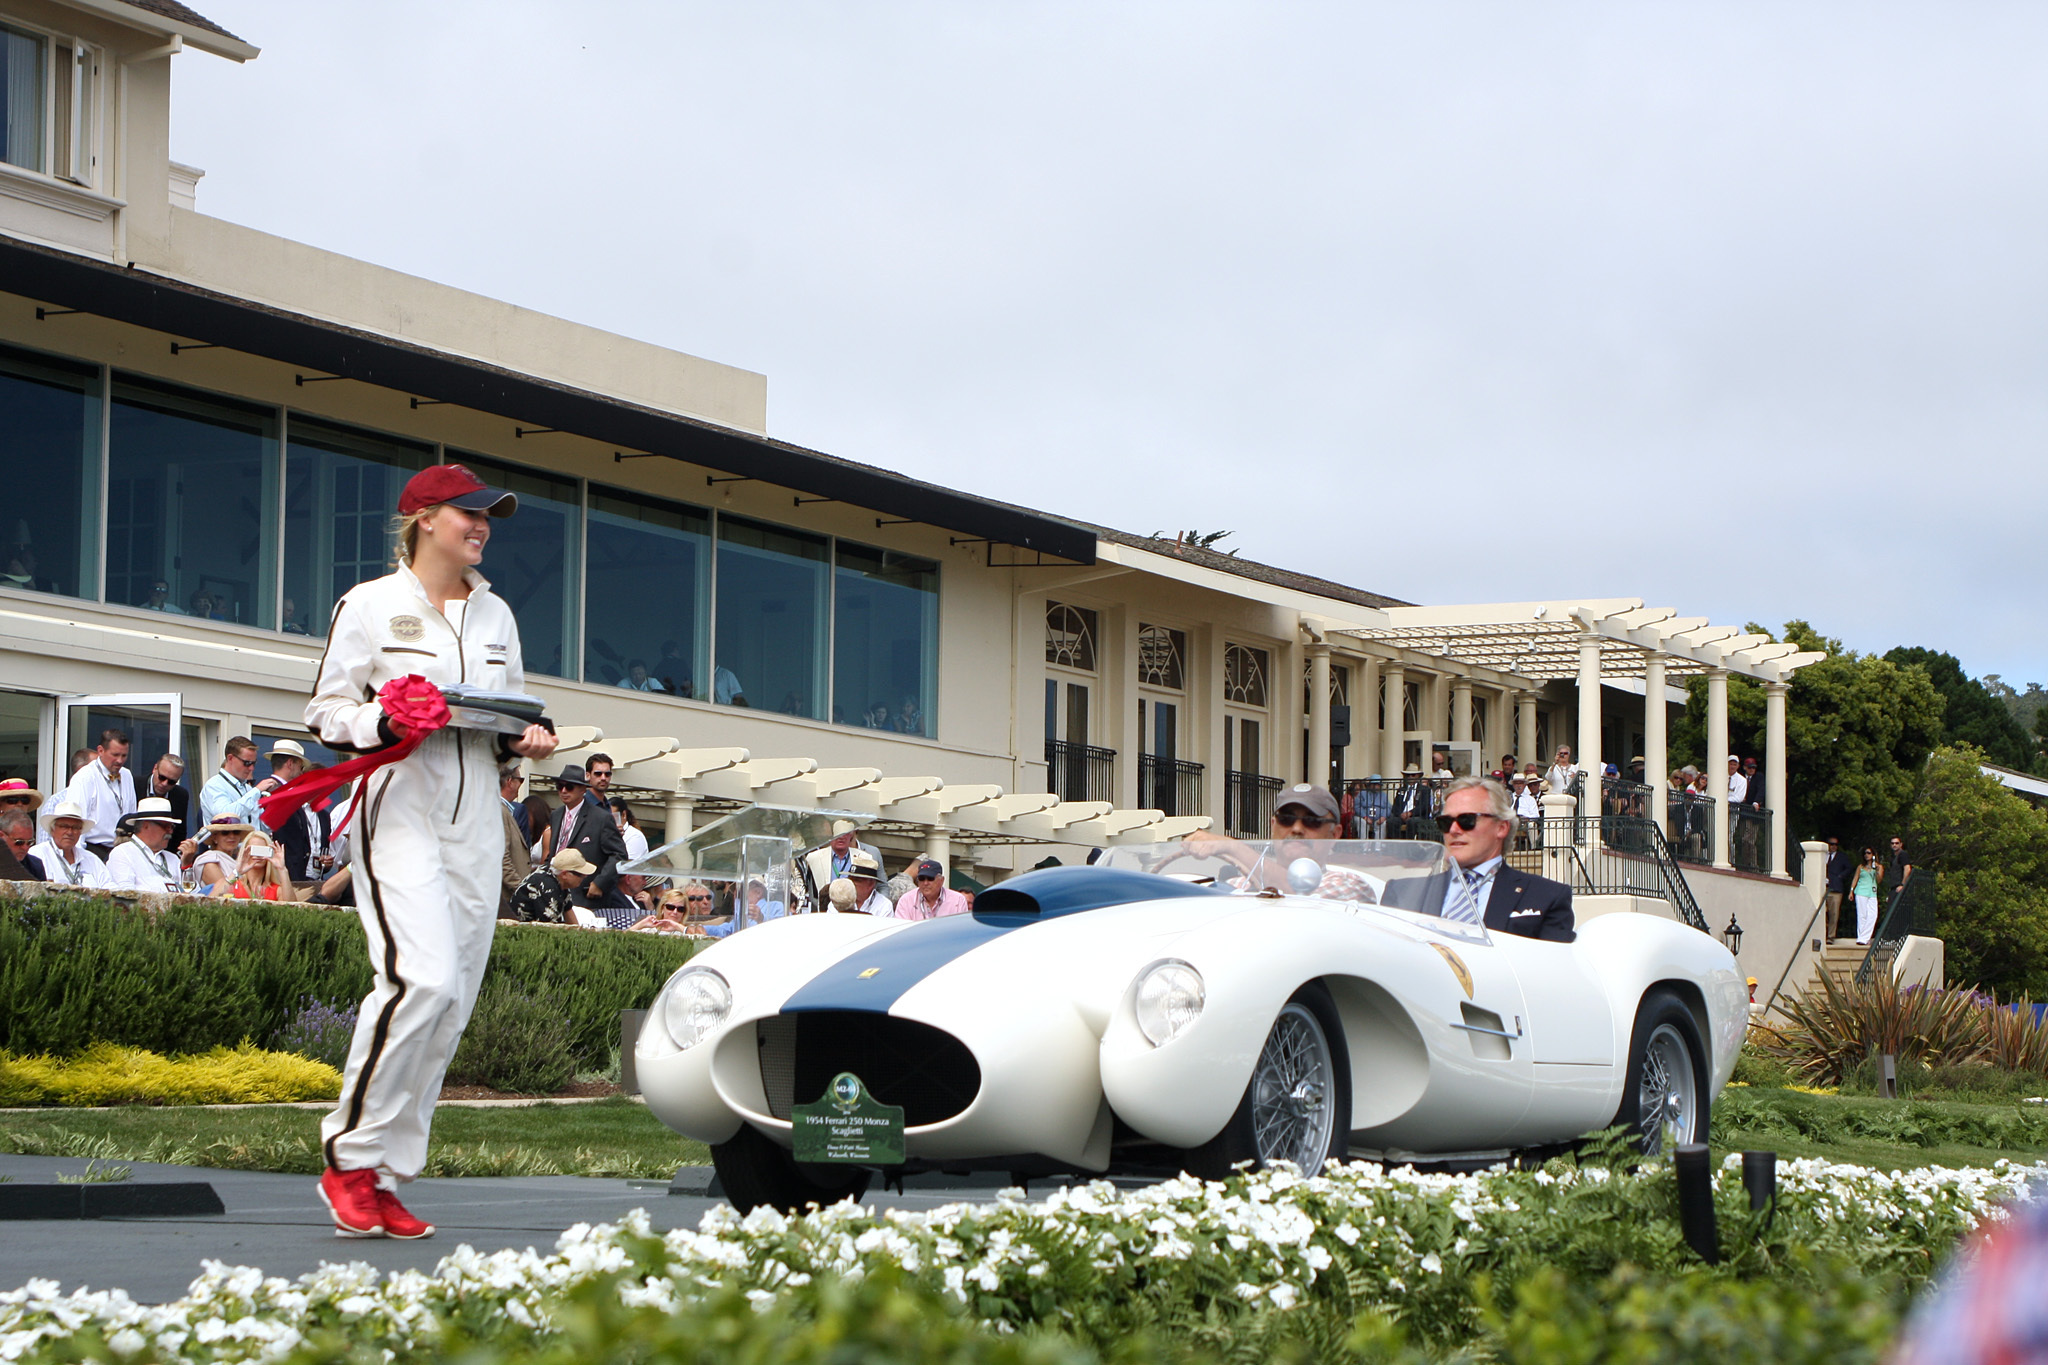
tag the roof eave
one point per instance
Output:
(149, 21)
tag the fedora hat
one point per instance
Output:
(286, 748)
(150, 808)
(15, 788)
(863, 864)
(572, 775)
(66, 809)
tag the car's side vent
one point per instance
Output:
(776, 1037)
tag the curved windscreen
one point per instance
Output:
(1397, 874)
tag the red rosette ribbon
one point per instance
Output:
(415, 709)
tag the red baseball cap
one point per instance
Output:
(456, 486)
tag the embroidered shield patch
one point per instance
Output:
(408, 628)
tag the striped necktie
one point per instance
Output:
(1462, 904)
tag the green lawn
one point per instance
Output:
(1889, 1134)
(613, 1137)
(617, 1137)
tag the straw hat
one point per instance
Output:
(66, 809)
(150, 808)
(15, 788)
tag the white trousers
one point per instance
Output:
(1866, 918)
(427, 854)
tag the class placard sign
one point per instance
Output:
(848, 1125)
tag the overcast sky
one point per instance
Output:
(1739, 309)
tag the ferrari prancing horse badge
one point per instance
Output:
(1457, 966)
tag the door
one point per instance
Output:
(153, 721)
(1159, 775)
(1066, 739)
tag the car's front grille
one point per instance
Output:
(927, 1071)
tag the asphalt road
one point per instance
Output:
(277, 1223)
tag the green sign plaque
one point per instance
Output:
(848, 1125)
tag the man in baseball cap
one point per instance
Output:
(454, 486)
(548, 892)
(930, 898)
(1306, 811)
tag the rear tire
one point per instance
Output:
(754, 1170)
(1297, 1105)
(1666, 1081)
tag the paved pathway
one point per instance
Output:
(276, 1222)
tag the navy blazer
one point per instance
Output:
(1534, 907)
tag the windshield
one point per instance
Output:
(1396, 874)
(751, 844)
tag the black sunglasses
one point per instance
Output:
(1303, 819)
(927, 879)
(1465, 820)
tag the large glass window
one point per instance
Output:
(23, 60)
(647, 595)
(532, 560)
(885, 640)
(50, 448)
(191, 504)
(772, 588)
(340, 498)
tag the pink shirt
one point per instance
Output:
(912, 905)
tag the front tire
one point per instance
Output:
(754, 1171)
(1297, 1105)
(1666, 1082)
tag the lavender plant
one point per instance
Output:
(320, 1031)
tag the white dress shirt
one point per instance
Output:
(1738, 788)
(88, 870)
(1479, 879)
(132, 864)
(105, 798)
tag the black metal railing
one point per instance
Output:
(1894, 926)
(1749, 839)
(1169, 785)
(1248, 803)
(1690, 818)
(1630, 858)
(1377, 804)
(1619, 796)
(1079, 772)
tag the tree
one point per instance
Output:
(1988, 851)
(1973, 714)
(1857, 730)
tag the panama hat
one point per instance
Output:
(150, 808)
(66, 809)
(286, 748)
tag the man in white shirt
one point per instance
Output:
(147, 862)
(105, 790)
(65, 859)
(1738, 785)
(230, 792)
(1563, 772)
(868, 896)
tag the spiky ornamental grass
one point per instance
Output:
(1203, 1264)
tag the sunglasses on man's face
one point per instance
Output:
(927, 879)
(1465, 820)
(1301, 819)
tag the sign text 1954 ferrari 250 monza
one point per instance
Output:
(1182, 1006)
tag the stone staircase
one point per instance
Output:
(1840, 960)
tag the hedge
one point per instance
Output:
(78, 970)
(107, 1073)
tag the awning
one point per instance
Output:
(1539, 641)
(187, 312)
(658, 769)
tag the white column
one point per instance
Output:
(1461, 710)
(1365, 715)
(1557, 843)
(1525, 731)
(1774, 770)
(1717, 759)
(1315, 764)
(938, 845)
(678, 816)
(1656, 740)
(1587, 755)
(1390, 737)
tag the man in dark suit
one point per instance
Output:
(587, 826)
(167, 779)
(17, 836)
(1478, 820)
(1412, 805)
(1841, 871)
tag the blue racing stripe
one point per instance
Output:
(874, 978)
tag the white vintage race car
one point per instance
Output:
(1182, 1007)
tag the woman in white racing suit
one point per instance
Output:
(428, 838)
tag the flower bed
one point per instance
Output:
(107, 1074)
(1181, 1261)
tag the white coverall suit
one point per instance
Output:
(428, 847)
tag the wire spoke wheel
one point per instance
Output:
(1292, 1088)
(1667, 1095)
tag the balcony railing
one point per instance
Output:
(1079, 772)
(1629, 858)
(1376, 801)
(1248, 803)
(1169, 785)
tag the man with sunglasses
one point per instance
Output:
(1477, 820)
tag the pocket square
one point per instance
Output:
(1517, 914)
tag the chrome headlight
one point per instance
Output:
(696, 1002)
(1169, 997)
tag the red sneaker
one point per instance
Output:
(397, 1222)
(351, 1196)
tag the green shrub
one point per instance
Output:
(78, 970)
(1755, 1067)
(320, 1031)
(107, 1074)
(514, 1043)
